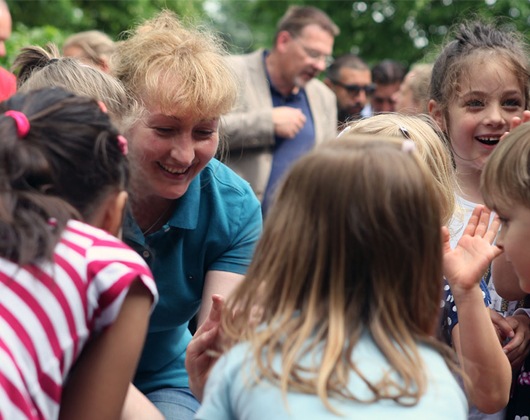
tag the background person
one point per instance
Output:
(93, 48)
(413, 94)
(349, 77)
(387, 76)
(282, 110)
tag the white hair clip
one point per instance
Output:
(408, 146)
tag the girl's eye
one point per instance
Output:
(474, 103)
(512, 103)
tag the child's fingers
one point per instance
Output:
(483, 221)
(474, 220)
(493, 229)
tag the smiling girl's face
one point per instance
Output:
(168, 151)
(488, 99)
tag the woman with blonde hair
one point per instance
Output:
(192, 218)
(349, 309)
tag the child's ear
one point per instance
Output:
(112, 214)
(436, 113)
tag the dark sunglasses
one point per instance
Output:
(356, 89)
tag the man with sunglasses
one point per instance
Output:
(283, 110)
(387, 76)
(350, 78)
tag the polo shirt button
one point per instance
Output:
(146, 254)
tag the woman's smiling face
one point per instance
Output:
(481, 113)
(168, 151)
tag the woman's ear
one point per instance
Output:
(436, 113)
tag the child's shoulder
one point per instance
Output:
(94, 244)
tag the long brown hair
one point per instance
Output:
(351, 245)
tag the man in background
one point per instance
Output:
(283, 110)
(350, 79)
(387, 76)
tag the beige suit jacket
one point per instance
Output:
(248, 130)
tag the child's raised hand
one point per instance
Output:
(465, 265)
(203, 350)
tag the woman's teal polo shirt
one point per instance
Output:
(214, 226)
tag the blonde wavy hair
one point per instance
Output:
(352, 244)
(176, 67)
(430, 143)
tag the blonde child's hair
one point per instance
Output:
(175, 67)
(430, 144)
(352, 245)
(505, 180)
(38, 68)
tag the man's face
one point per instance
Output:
(5, 27)
(382, 100)
(353, 89)
(305, 56)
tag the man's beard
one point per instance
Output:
(345, 115)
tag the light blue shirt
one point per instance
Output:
(214, 226)
(232, 394)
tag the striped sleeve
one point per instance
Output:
(112, 268)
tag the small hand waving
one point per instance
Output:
(465, 265)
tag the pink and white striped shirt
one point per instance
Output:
(49, 311)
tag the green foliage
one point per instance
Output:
(23, 36)
(406, 30)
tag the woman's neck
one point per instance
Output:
(151, 213)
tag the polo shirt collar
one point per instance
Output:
(186, 213)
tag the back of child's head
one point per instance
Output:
(474, 45)
(351, 244)
(60, 157)
(430, 144)
(39, 68)
(505, 180)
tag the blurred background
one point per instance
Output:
(405, 30)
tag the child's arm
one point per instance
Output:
(97, 385)
(475, 339)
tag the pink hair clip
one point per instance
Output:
(123, 145)
(21, 121)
